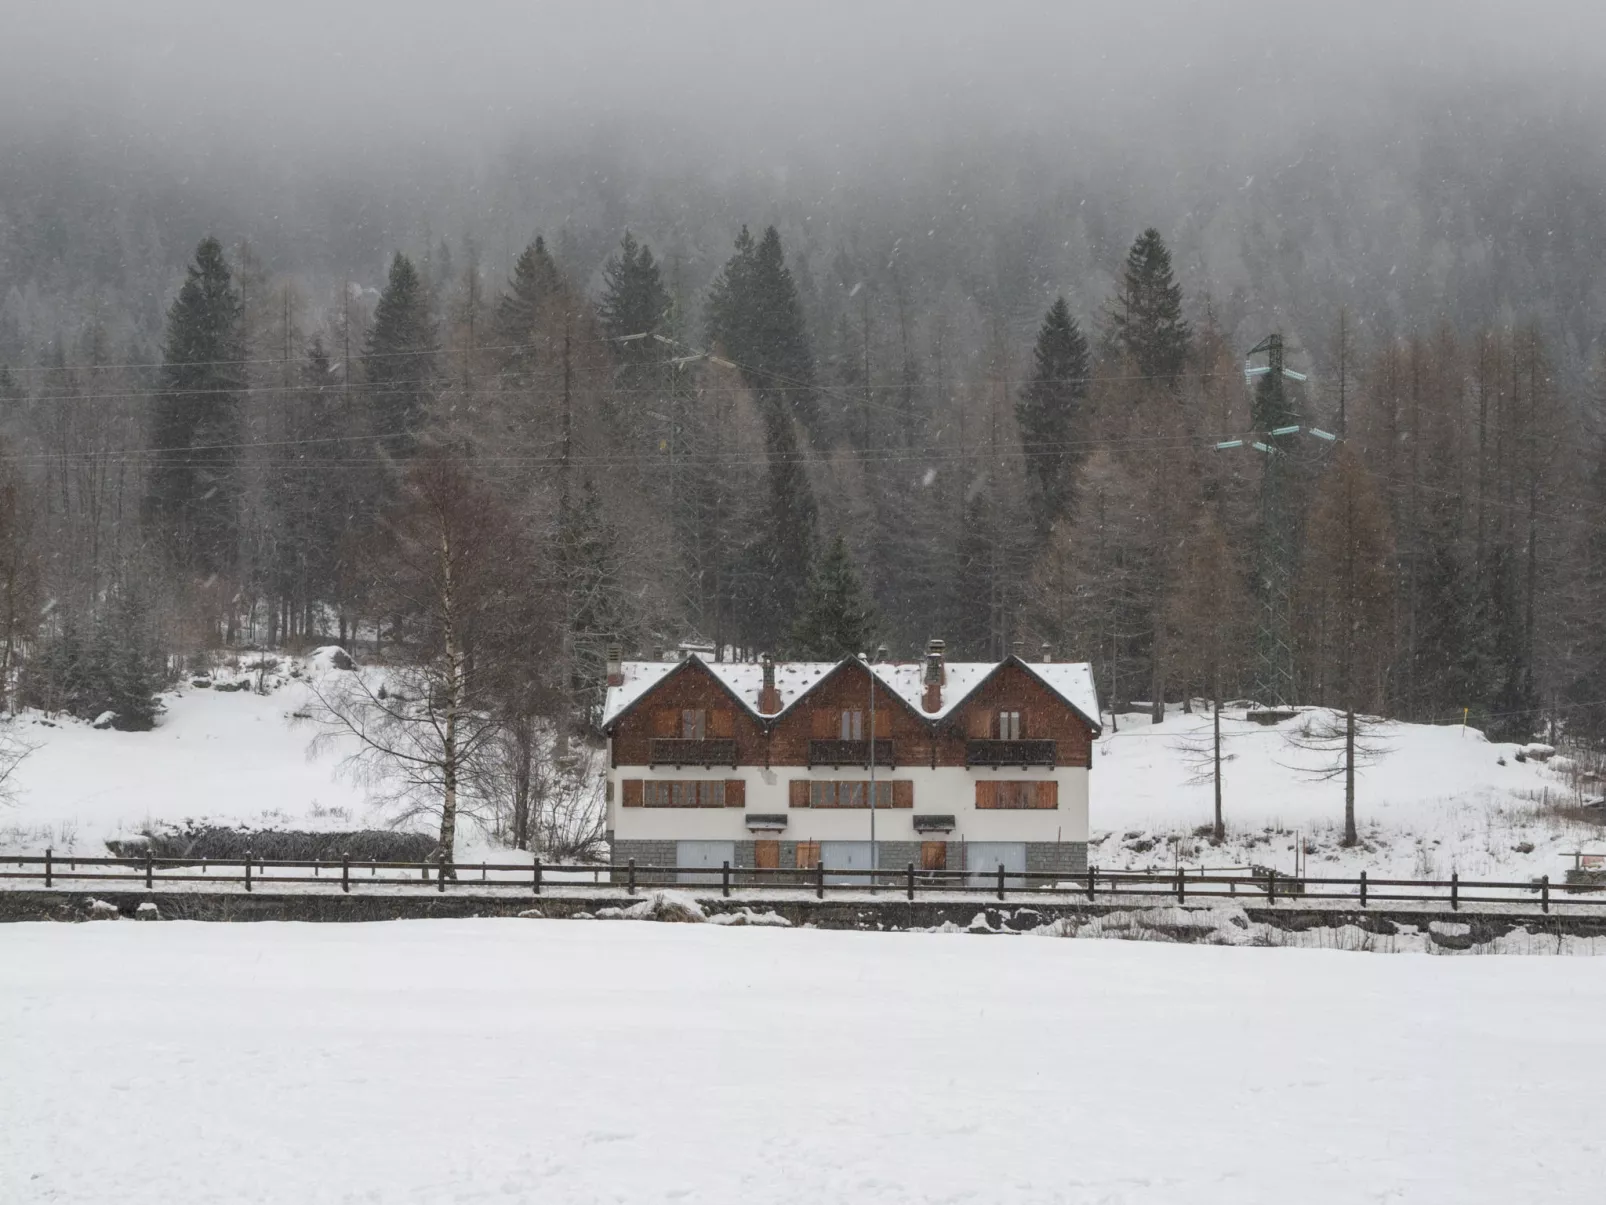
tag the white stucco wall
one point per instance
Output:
(949, 790)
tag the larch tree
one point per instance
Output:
(1048, 410)
(1207, 617)
(1348, 573)
(192, 492)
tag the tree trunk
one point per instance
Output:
(452, 692)
(1220, 833)
(1350, 837)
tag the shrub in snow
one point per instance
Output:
(671, 906)
(330, 656)
(216, 841)
(147, 911)
(101, 910)
(748, 917)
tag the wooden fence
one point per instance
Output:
(53, 871)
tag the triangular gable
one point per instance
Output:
(682, 668)
(891, 691)
(952, 710)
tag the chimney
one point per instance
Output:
(881, 652)
(616, 665)
(769, 699)
(936, 675)
(1019, 647)
(1048, 653)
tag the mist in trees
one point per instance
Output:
(748, 374)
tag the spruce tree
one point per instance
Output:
(1147, 319)
(536, 278)
(193, 492)
(399, 359)
(755, 317)
(1047, 413)
(635, 303)
(836, 620)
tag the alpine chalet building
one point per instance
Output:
(977, 764)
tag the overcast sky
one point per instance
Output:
(303, 73)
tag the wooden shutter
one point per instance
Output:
(735, 793)
(630, 792)
(934, 855)
(798, 793)
(721, 723)
(825, 725)
(666, 721)
(979, 724)
(808, 853)
(986, 794)
(1048, 794)
(903, 793)
(767, 855)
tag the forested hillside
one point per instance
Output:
(508, 404)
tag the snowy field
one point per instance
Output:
(539, 1061)
(1436, 800)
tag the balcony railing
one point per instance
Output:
(676, 751)
(1010, 753)
(850, 753)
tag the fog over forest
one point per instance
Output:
(1412, 196)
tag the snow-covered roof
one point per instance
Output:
(1071, 680)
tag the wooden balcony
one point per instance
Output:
(1010, 753)
(676, 751)
(836, 753)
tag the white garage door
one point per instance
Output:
(846, 855)
(710, 854)
(982, 859)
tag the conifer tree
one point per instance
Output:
(755, 317)
(1147, 321)
(1047, 413)
(535, 279)
(635, 303)
(399, 359)
(836, 620)
(193, 492)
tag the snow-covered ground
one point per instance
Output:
(1438, 799)
(1432, 800)
(539, 1061)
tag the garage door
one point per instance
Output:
(982, 859)
(697, 854)
(846, 855)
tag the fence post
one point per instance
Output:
(1000, 880)
(148, 862)
(345, 872)
(1181, 880)
(47, 868)
(911, 879)
(1455, 890)
(1363, 889)
(1271, 886)
(537, 876)
(1544, 893)
(725, 879)
(819, 878)
(248, 870)
(630, 882)
(1092, 878)
(440, 873)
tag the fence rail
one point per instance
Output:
(54, 871)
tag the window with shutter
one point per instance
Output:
(693, 724)
(735, 793)
(986, 794)
(722, 723)
(798, 792)
(630, 792)
(852, 726)
(903, 793)
(824, 725)
(665, 722)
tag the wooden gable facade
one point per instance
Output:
(670, 709)
(819, 715)
(1014, 690)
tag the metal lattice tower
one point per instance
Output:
(1276, 424)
